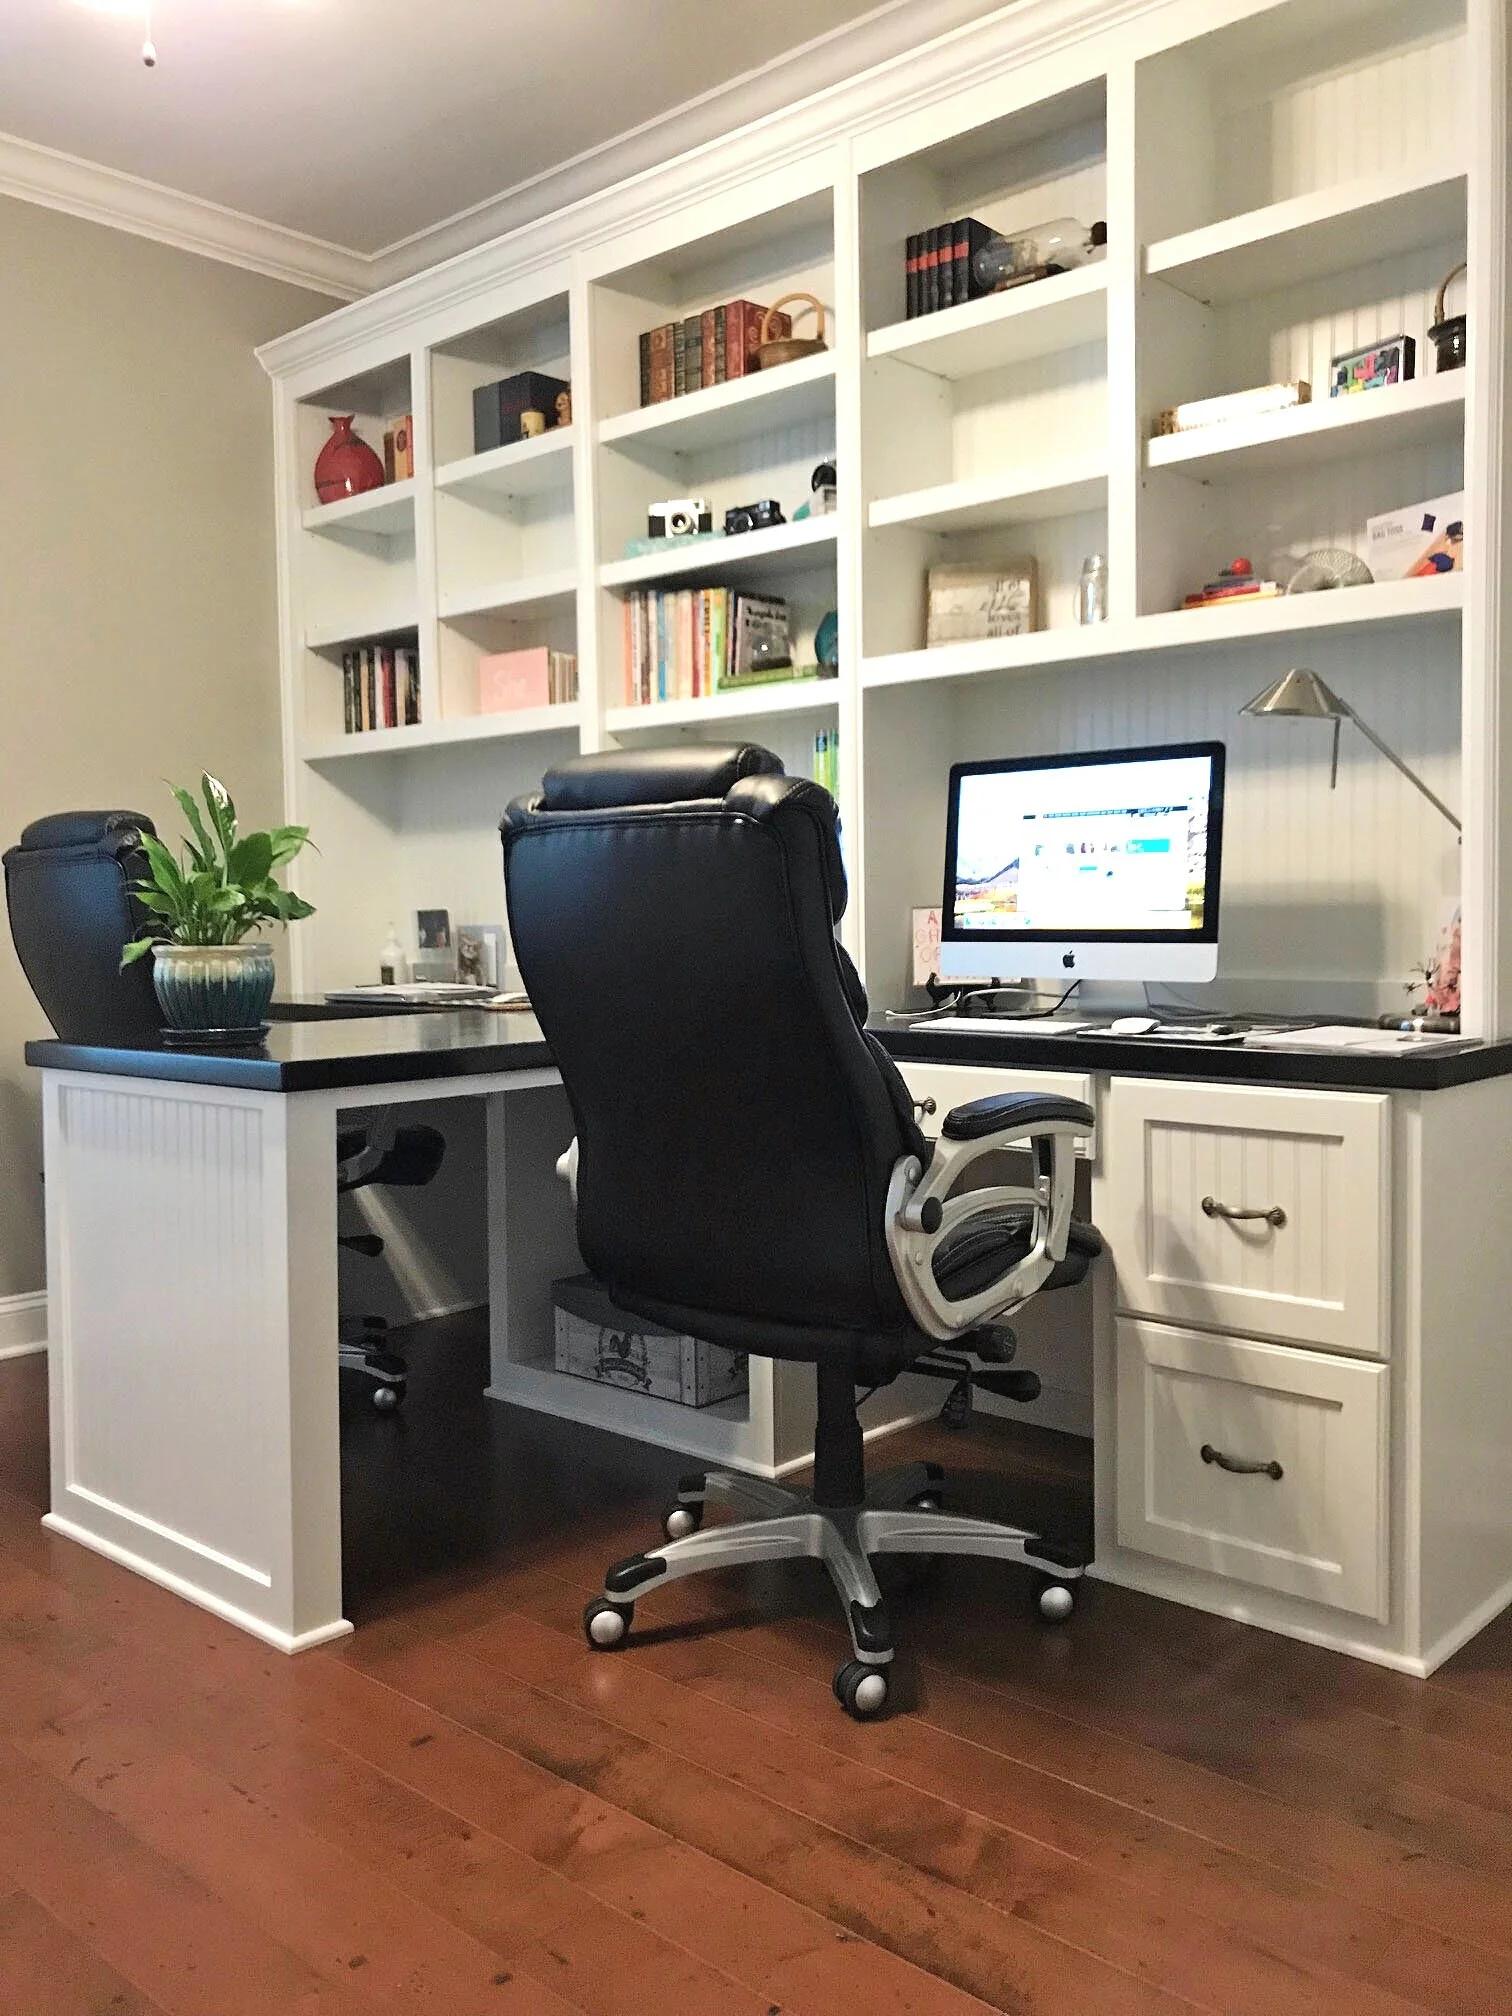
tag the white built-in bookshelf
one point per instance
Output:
(1281, 183)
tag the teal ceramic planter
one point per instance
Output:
(213, 987)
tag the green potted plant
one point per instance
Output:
(210, 973)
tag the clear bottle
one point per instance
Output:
(393, 967)
(1092, 590)
(1056, 245)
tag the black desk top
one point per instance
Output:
(330, 1054)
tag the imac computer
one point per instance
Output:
(1098, 867)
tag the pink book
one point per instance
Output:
(511, 679)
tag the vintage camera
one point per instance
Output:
(676, 517)
(751, 517)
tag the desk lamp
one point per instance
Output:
(1300, 695)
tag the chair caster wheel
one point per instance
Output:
(1056, 1599)
(679, 1520)
(387, 1398)
(861, 1690)
(607, 1624)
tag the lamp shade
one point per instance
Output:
(1298, 695)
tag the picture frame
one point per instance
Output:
(966, 600)
(480, 955)
(433, 930)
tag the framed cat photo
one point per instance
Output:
(480, 955)
(968, 600)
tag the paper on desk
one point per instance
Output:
(1346, 1037)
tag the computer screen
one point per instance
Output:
(1103, 866)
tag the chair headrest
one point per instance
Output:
(619, 777)
(82, 829)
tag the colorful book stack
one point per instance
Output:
(1236, 583)
(538, 677)
(685, 643)
(704, 349)
(826, 763)
(937, 266)
(380, 687)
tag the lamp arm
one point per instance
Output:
(1411, 775)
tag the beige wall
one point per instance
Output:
(137, 575)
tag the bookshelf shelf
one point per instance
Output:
(520, 469)
(784, 397)
(808, 545)
(400, 622)
(1422, 411)
(562, 720)
(1061, 313)
(1438, 599)
(1010, 497)
(783, 696)
(519, 598)
(388, 513)
(1352, 224)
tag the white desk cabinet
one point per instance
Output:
(1302, 1419)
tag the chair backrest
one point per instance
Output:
(673, 913)
(72, 913)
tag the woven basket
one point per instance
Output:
(775, 350)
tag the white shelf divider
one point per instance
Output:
(1008, 497)
(782, 397)
(387, 512)
(1438, 598)
(810, 540)
(518, 469)
(1044, 316)
(1356, 423)
(783, 696)
(1327, 231)
(529, 591)
(562, 719)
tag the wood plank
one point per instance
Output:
(46, 1970)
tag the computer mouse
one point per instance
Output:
(1133, 1025)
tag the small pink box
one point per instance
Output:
(511, 679)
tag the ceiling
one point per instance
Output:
(363, 123)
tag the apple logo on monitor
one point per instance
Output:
(1068, 960)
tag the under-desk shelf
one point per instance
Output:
(1310, 237)
(1423, 410)
(1435, 599)
(1036, 320)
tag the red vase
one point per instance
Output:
(346, 465)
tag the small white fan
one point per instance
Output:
(1329, 567)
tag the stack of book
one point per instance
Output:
(1236, 583)
(538, 677)
(937, 266)
(826, 760)
(704, 349)
(685, 643)
(380, 687)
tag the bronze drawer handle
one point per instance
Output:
(1211, 1208)
(1238, 1466)
(923, 1108)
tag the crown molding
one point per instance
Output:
(101, 195)
(989, 47)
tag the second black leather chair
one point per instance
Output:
(747, 1166)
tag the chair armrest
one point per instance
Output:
(1012, 1113)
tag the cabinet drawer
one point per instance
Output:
(1179, 1159)
(1315, 1523)
(953, 1084)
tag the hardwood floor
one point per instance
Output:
(461, 1809)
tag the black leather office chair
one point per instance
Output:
(69, 888)
(748, 1168)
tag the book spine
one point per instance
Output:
(346, 692)
(977, 235)
(683, 668)
(411, 686)
(960, 258)
(720, 332)
(946, 264)
(706, 347)
(645, 367)
(661, 363)
(679, 361)
(929, 280)
(911, 276)
(663, 645)
(369, 687)
(631, 694)
(389, 677)
(705, 684)
(692, 329)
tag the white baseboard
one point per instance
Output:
(23, 1324)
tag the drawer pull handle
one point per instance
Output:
(1211, 1208)
(1238, 1466)
(923, 1108)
